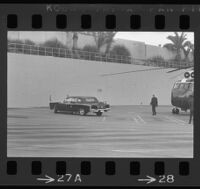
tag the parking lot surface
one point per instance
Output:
(125, 131)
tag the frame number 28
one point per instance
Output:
(166, 179)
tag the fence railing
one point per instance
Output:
(85, 55)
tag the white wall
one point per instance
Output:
(137, 49)
(32, 79)
(152, 51)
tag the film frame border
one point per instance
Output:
(119, 167)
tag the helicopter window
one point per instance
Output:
(191, 85)
(186, 86)
(176, 86)
(182, 86)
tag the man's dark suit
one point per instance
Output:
(154, 103)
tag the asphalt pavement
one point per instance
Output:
(124, 131)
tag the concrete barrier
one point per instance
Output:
(33, 80)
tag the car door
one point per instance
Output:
(77, 104)
(69, 104)
(74, 105)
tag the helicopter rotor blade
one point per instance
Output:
(177, 69)
(174, 70)
(151, 69)
(133, 71)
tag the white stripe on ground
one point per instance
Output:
(104, 118)
(175, 120)
(142, 120)
(135, 119)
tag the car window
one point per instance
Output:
(69, 100)
(78, 100)
(91, 100)
(73, 99)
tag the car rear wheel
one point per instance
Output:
(99, 113)
(82, 112)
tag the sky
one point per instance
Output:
(151, 38)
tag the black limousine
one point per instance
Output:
(80, 105)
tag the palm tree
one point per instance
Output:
(178, 44)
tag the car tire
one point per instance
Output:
(99, 113)
(82, 112)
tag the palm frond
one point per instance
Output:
(173, 39)
(170, 46)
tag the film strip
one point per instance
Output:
(43, 51)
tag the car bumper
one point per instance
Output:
(100, 110)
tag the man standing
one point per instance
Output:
(191, 106)
(154, 104)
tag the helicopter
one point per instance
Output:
(181, 92)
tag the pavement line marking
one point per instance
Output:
(140, 118)
(180, 120)
(175, 120)
(104, 118)
(135, 119)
